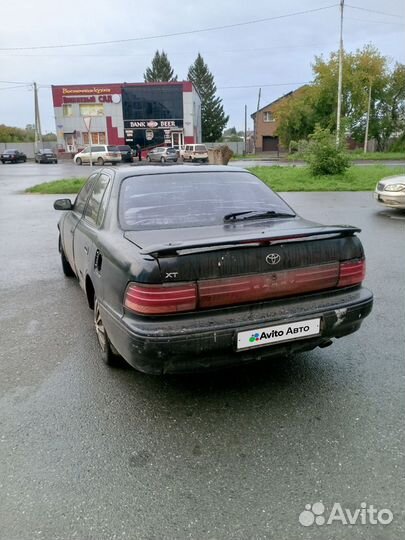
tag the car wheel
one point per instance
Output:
(100, 161)
(67, 269)
(79, 161)
(56, 161)
(162, 159)
(149, 159)
(109, 356)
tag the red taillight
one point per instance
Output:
(352, 273)
(160, 299)
(252, 288)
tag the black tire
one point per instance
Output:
(67, 269)
(79, 161)
(108, 354)
(100, 161)
(150, 161)
(162, 159)
(56, 161)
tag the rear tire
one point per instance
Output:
(107, 354)
(100, 161)
(150, 161)
(162, 159)
(79, 161)
(67, 269)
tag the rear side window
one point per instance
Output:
(83, 195)
(177, 200)
(93, 206)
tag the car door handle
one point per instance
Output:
(86, 249)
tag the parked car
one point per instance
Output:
(190, 268)
(390, 192)
(127, 154)
(179, 149)
(100, 154)
(195, 152)
(12, 156)
(162, 154)
(46, 156)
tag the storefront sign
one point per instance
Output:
(112, 98)
(87, 91)
(154, 124)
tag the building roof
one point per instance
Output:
(278, 99)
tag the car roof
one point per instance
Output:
(142, 170)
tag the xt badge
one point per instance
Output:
(171, 275)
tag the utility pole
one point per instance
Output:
(245, 152)
(368, 118)
(257, 118)
(37, 131)
(339, 100)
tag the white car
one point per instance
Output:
(195, 152)
(390, 192)
(100, 154)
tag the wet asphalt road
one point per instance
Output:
(92, 453)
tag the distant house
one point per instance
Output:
(265, 125)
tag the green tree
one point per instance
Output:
(316, 104)
(213, 117)
(322, 155)
(160, 70)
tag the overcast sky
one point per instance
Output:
(277, 52)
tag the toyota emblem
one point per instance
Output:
(273, 258)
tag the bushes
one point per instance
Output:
(323, 156)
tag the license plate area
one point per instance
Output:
(279, 333)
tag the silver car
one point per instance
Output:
(390, 192)
(162, 154)
(100, 154)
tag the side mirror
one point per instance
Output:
(63, 204)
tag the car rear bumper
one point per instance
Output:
(194, 342)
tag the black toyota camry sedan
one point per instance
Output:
(194, 267)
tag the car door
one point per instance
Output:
(86, 232)
(72, 218)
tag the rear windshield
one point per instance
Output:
(171, 150)
(124, 148)
(200, 148)
(168, 201)
(112, 149)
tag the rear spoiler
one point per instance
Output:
(293, 235)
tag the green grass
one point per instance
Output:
(278, 178)
(359, 155)
(300, 179)
(63, 186)
(377, 156)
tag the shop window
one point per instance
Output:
(67, 110)
(93, 109)
(268, 117)
(98, 137)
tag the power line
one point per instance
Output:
(14, 82)
(377, 22)
(172, 53)
(262, 85)
(12, 87)
(174, 34)
(374, 11)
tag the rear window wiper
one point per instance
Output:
(255, 214)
